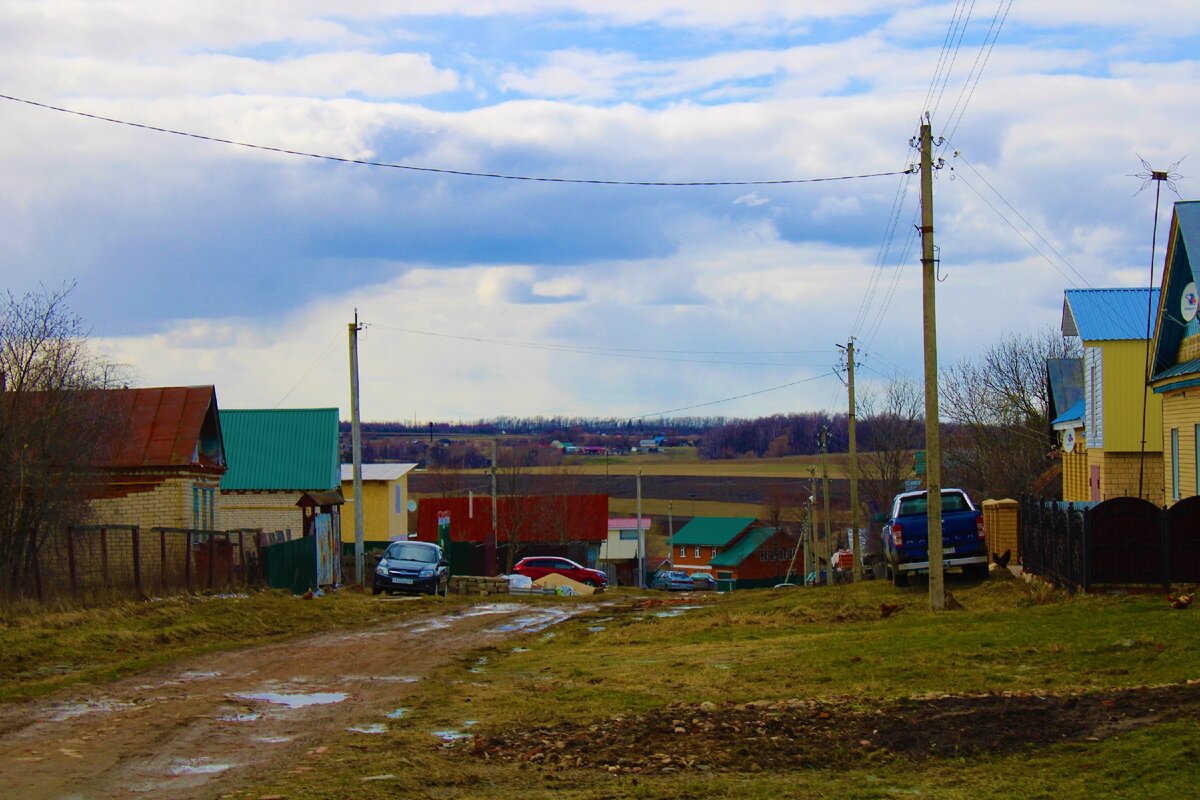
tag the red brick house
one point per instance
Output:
(733, 551)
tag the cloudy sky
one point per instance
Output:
(200, 262)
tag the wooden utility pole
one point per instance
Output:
(356, 456)
(489, 547)
(812, 563)
(641, 536)
(825, 502)
(933, 452)
(856, 543)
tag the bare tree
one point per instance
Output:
(997, 405)
(892, 421)
(54, 430)
(514, 485)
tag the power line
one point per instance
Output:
(613, 352)
(320, 359)
(727, 399)
(962, 31)
(995, 26)
(439, 170)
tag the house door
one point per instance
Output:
(1094, 481)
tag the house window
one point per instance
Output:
(762, 555)
(196, 521)
(1174, 463)
(682, 551)
(697, 551)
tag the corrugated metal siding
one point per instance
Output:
(281, 449)
(1182, 411)
(1110, 314)
(1094, 396)
(712, 531)
(1124, 391)
(159, 427)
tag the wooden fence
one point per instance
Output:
(93, 561)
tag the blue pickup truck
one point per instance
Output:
(906, 536)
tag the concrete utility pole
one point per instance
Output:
(356, 455)
(641, 536)
(825, 502)
(856, 543)
(670, 532)
(933, 452)
(812, 564)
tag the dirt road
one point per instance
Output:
(205, 726)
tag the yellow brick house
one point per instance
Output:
(1175, 369)
(1118, 406)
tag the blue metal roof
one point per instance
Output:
(1098, 315)
(1178, 271)
(1072, 414)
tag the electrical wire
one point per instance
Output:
(325, 353)
(586, 350)
(439, 170)
(994, 32)
(965, 20)
(727, 399)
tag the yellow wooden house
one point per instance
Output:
(1175, 370)
(1121, 441)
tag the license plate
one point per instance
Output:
(948, 550)
(402, 580)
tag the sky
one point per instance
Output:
(197, 262)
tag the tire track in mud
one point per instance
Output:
(200, 727)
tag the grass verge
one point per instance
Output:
(42, 651)
(829, 645)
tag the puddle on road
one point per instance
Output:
(379, 678)
(480, 663)
(596, 628)
(193, 675)
(520, 649)
(68, 711)
(492, 608)
(450, 737)
(197, 766)
(470, 723)
(243, 716)
(435, 624)
(295, 699)
(397, 713)
(369, 727)
(272, 739)
(539, 620)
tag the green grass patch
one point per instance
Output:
(42, 651)
(827, 644)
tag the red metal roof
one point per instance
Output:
(161, 427)
(541, 518)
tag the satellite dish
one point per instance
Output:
(1069, 440)
(1187, 302)
(412, 505)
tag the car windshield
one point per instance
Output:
(403, 551)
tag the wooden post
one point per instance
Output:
(212, 553)
(104, 556)
(187, 560)
(71, 562)
(136, 536)
(162, 562)
(933, 452)
(241, 559)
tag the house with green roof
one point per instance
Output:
(733, 551)
(283, 468)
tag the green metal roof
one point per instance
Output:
(287, 449)
(712, 531)
(742, 549)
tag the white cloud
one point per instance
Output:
(752, 200)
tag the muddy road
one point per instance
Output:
(211, 724)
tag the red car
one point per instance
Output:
(540, 566)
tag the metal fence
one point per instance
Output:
(1124, 541)
(94, 561)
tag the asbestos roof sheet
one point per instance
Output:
(162, 426)
(744, 548)
(287, 449)
(1098, 315)
(378, 472)
(712, 531)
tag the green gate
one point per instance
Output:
(291, 565)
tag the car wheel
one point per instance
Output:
(589, 582)
(376, 590)
(899, 578)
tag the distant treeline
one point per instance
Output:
(715, 437)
